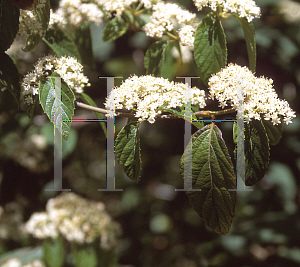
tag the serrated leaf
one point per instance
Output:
(127, 149)
(83, 40)
(42, 14)
(154, 55)
(180, 112)
(211, 171)
(114, 29)
(54, 252)
(249, 33)
(61, 44)
(84, 256)
(47, 101)
(257, 152)
(9, 76)
(9, 23)
(86, 98)
(210, 51)
(274, 132)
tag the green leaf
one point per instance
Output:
(180, 111)
(30, 107)
(168, 62)
(128, 149)
(210, 51)
(83, 41)
(114, 29)
(43, 16)
(212, 171)
(84, 256)
(154, 55)
(256, 152)
(86, 98)
(25, 255)
(274, 132)
(47, 100)
(61, 44)
(249, 33)
(54, 252)
(9, 23)
(9, 76)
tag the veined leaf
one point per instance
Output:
(154, 56)
(9, 23)
(210, 167)
(84, 256)
(180, 111)
(47, 100)
(114, 29)
(257, 152)
(128, 149)
(86, 98)
(249, 33)
(210, 51)
(54, 252)
(42, 15)
(61, 44)
(274, 132)
(9, 76)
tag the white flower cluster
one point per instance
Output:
(28, 22)
(147, 94)
(260, 96)
(67, 67)
(166, 17)
(119, 6)
(76, 219)
(75, 13)
(15, 262)
(244, 8)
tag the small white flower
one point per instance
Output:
(244, 8)
(260, 96)
(147, 94)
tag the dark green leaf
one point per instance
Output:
(86, 98)
(249, 33)
(128, 149)
(83, 41)
(30, 107)
(84, 256)
(9, 23)
(168, 62)
(43, 16)
(54, 252)
(180, 112)
(274, 132)
(47, 100)
(210, 51)
(154, 55)
(114, 29)
(210, 167)
(9, 76)
(61, 44)
(256, 152)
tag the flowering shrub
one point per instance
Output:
(178, 33)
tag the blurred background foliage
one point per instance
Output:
(160, 228)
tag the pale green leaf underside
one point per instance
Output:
(212, 171)
(127, 149)
(47, 100)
